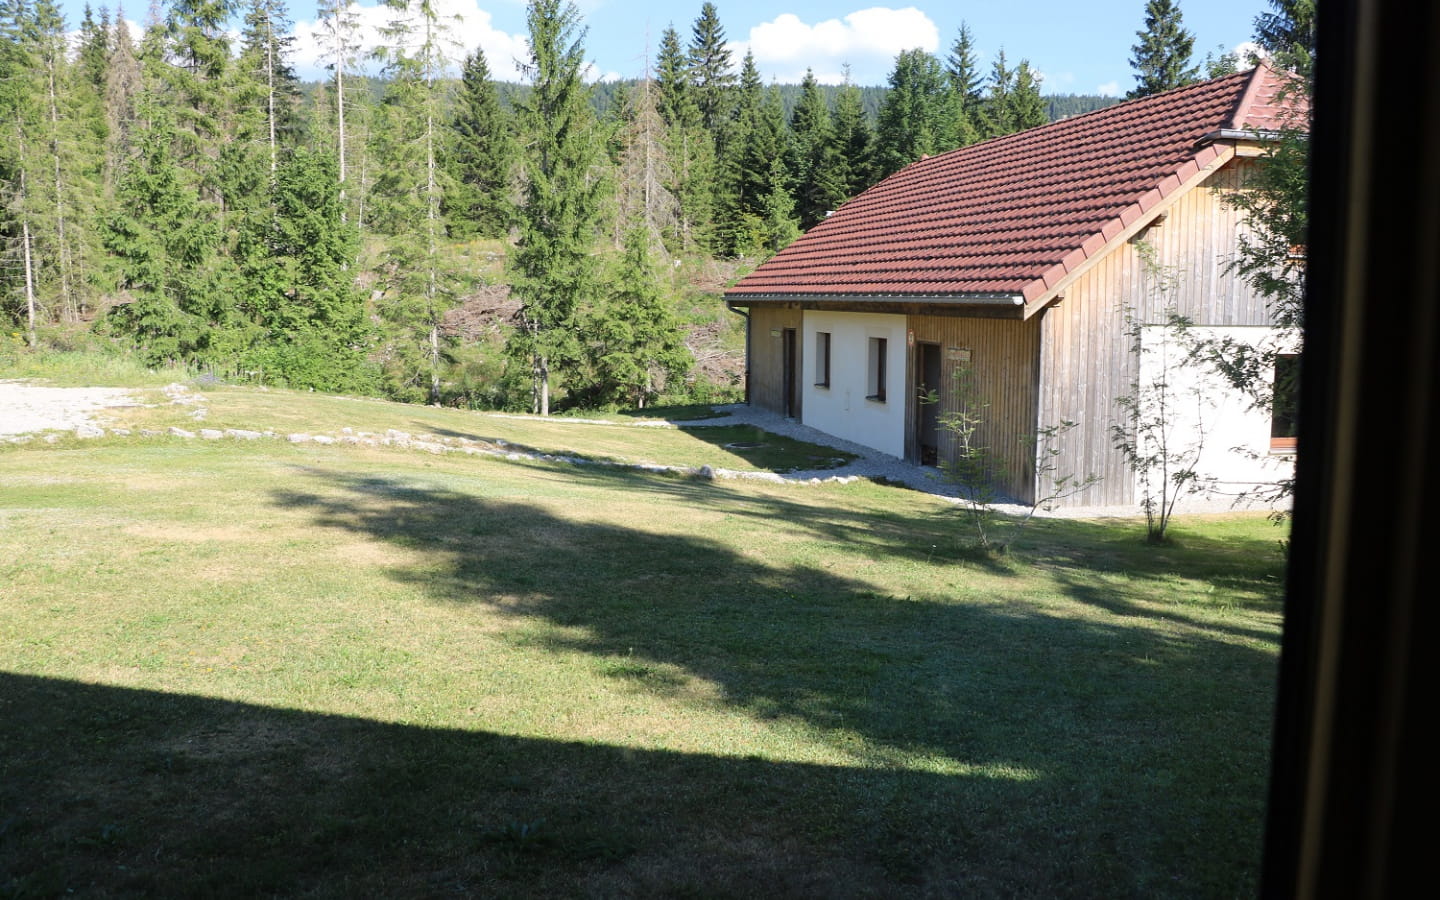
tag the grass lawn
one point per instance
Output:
(741, 448)
(245, 668)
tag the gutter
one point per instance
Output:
(952, 299)
(745, 314)
(1237, 134)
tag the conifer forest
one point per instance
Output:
(408, 226)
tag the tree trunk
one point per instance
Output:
(29, 277)
(62, 247)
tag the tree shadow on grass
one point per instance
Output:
(875, 534)
(1131, 759)
(117, 792)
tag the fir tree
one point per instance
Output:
(780, 226)
(551, 269)
(1161, 59)
(94, 53)
(22, 117)
(482, 156)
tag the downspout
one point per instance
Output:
(746, 315)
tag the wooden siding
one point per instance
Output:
(1086, 359)
(767, 355)
(1005, 365)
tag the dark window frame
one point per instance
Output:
(1284, 403)
(877, 351)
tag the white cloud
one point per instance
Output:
(868, 40)
(1245, 51)
(1109, 89)
(469, 27)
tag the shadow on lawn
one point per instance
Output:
(1087, 759)
(1142, 752)
(109, 791)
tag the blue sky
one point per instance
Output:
(1078, 47)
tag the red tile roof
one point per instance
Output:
(1015, 214)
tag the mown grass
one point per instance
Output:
(240, 668)
(622, 440)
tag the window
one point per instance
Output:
(822, 359)
(1284, 403)
(875, 376)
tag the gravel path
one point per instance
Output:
(869, 463)
(27, 408)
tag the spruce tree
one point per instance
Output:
(123, 84)
(340, 39)
(166, 240)
(672, 80)
(644, 174)
(1288, 34)
(94, 52)
(315, 331)
(270, 88)
(997, 114)
(966, 88)
(551, 270)
(21, 159)
(482, 156)
(636, 343)
(815, 163)
(761, 178)
(855, 140)
(917, 117)
(711, 72)
(408, 193)
(1161, 59)
(1027, 106)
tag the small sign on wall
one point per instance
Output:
(958, 354)
(775, 332)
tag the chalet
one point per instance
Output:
(1021, 263)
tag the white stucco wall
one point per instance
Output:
(841, 409)
(1234, 440)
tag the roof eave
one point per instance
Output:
(1003, 298)
(1044, 290)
